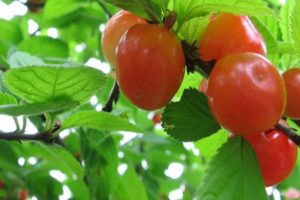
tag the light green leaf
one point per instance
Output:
(286, 12)
(21, 59)
(193, 29)
(101, 121)
(233, 174)
(57, 8)
(51, 106)
(295, 25)
(189, 9)
(10, 32)
(45, 47)
(130, 187)
(7, 99)
(209, 146)
(40, 84)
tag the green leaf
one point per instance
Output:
(210, 145)
(101, 158)
(267, 35)
(286, 12)
(130, 186)
(40, 84)
(295, 25)
(144, 8)
(51, 106)
(192, 30)
(7, 99)
(190, 118)
(233, 174)
(21, 59)
(101, 121)
(189, 9)
(57, 8)
(45, 47)
(10, 32)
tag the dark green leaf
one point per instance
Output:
(45, 47)
(190, 118)
(233, 174)
(101, 121)
(51, 106)
(40, 84)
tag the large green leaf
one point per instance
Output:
(45, 47)
(10, 32)
(40, 84)
(190, 118)
(101, 121)
(233, 174)
(51, 106)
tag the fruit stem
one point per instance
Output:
(289, 133)
(170, 20)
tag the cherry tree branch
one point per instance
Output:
(289, 133)
(113, 98)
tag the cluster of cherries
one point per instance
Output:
(246, 93)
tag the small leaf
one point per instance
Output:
(286, 12)
(101, 121)
(45, 47)
(21, 59)
(38, 108)
(233, 174)
(190, 118)
(40, 84)
(7, 99)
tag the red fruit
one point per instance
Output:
(150, 65)
(23, 194)
(114, 29)
(246, 93)
(227, 34)
(276, 155)
(292, 83)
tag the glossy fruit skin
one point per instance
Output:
(114, 29)
(150, 65)
(276, 155)
(292, 83)
(156, 119)
(227, 34)
(246, 93)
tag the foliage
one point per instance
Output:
(46, 83)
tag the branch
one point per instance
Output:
(193, 62)
(113, 97)
(104, 8)
(289, 133)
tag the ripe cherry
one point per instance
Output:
(246, 93)
(150, 65)
(227, 34)
(23, 194)
(292, 83)
(114, 29)
(276, 155)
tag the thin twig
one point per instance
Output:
(289, 133)
(113, 97)
(104, 8)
